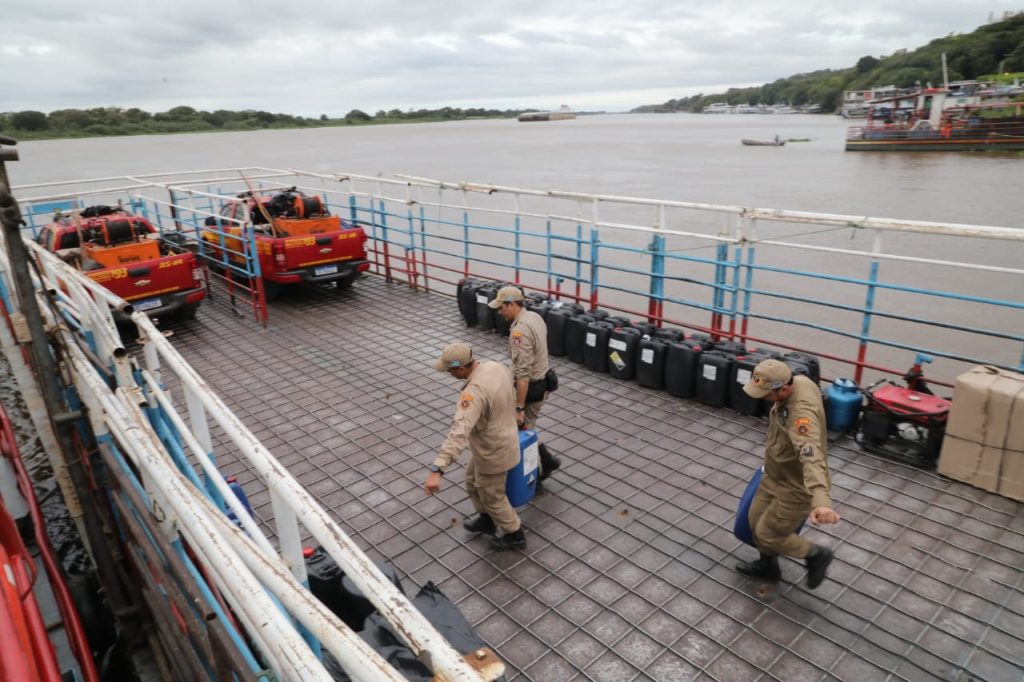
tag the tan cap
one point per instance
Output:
(454, 355)
(767, 376)
(506, 294)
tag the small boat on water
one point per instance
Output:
(41, 634)
(763, 143)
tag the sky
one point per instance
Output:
(313, 57)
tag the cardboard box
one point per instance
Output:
(984, 442)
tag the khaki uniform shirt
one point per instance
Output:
(486, 418)
(795, 463)
(528, 346)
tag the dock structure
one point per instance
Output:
(325, 408)
(628, 574)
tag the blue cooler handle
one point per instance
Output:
(741, 527)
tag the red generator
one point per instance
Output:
(902, 424)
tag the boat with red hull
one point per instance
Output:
(41, 633)
(923, 122)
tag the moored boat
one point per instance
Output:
(924, 121)
(41, 633)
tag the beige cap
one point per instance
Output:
(767, 376)
(454, 355)
(506, 294)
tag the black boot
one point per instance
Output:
(548, 462)
(817, 560)
(481, 524)
(765, 568)
(515, 540)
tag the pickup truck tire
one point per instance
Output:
(271, 290)
(188, 312)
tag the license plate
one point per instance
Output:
(325, 270)
(148, 304)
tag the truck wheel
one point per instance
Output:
(346, 281)
(188, 312)
(271, 290)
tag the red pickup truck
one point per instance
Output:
(297, 239)
(124, 252)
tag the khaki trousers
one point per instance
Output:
(773, 518)
(531, 413)
(487, 493)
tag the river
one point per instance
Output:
(683, 157)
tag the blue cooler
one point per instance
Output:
(521, 480)
(741, 528)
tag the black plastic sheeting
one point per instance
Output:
(439, 611)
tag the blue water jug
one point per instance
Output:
(741, 526)
(521, 480)
(842, 409)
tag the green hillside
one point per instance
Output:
(992, 52)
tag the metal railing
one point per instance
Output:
(865, 294)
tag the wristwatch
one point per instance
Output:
(520, 409)
(434, 469)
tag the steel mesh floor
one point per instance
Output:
(628, 571)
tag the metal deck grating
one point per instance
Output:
(628, 573)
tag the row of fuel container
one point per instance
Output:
(694, 366)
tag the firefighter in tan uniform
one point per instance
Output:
(485, 418)
(528, 348)
(796, 481)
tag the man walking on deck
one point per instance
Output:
(528, 348)
(485, 418)
(796, 479)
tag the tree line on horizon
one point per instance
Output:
(105, 121)
(992, 52)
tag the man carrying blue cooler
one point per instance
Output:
(528, 349)
(485, 418)
(796, 482)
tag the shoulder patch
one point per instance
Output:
(516, 338)
(802, 421)
(803, 430)
(465, 399)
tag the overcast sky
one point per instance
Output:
(312, 57)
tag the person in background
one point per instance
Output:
(796, 482)
(485, 419)
(528, 349)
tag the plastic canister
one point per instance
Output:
(842, 405)
(521, 480)
(714, 372)
(650, 365)
(669, 334)
(485, 315)
(731, 347)
(466, 294)
(236, 488)
(623, 350)
(741, 526)
(557, 319)
(681, 369)
(595, 346)
(575, 336)
(807, 360)
(702, 340)
(324, 577)
(738, 398)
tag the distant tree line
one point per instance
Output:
(992, 52)
(102, 121)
